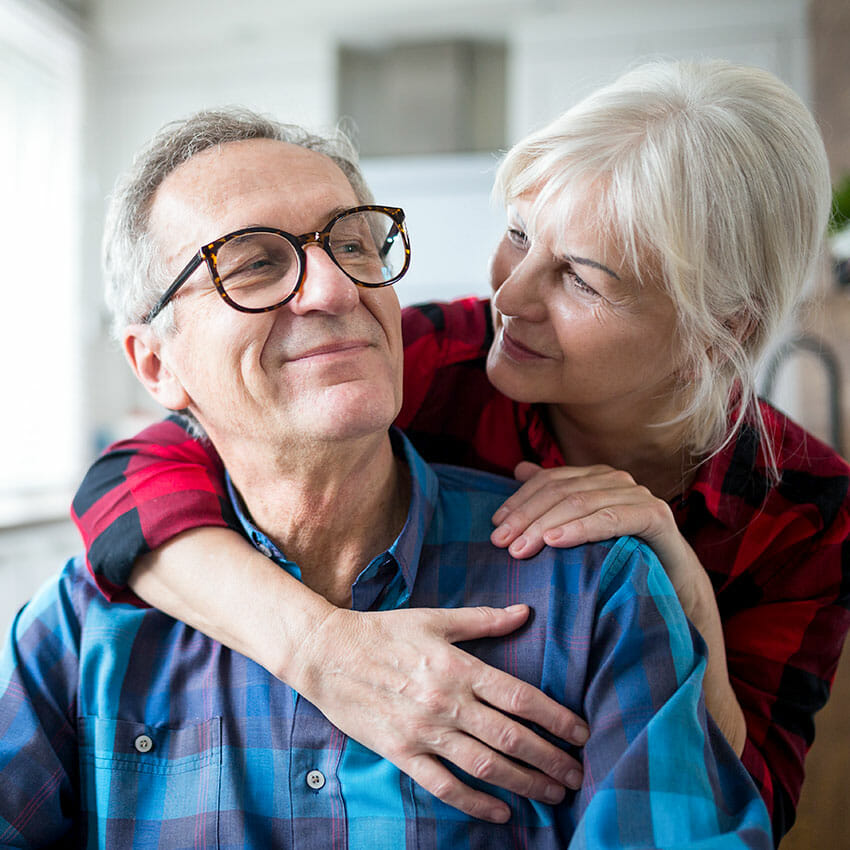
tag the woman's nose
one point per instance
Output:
(516, 290)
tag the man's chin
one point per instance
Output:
(352, 409)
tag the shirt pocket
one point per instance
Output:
(145, 785)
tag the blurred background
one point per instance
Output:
(436, 89)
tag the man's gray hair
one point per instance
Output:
(132, 265)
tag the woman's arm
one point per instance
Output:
(391, 680)
(574, 505)
(786, 599)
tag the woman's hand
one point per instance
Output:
(569, 506)
(394, 682)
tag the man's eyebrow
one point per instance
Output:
(331, 213)
(337, 210)
(583, 261)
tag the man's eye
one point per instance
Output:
(351, 246)
(259, 263)
(244, 266)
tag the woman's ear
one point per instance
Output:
(741, 325)
(144, 351)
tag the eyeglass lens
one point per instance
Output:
(261, 269)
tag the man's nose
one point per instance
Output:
(326, 288)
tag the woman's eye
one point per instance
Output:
(579, 284)
(518, 238)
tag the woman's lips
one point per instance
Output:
(517, 350)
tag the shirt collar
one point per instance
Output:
(397, 565)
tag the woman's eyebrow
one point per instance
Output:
(583, 261)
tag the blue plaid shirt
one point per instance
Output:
(122, 728)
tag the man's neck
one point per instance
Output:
(331, 512)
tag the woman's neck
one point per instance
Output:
(654, 455)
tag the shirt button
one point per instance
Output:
(143, 744)
(315, 780)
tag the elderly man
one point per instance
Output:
(281, 337)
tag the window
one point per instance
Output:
(40, 327)
(425, 97)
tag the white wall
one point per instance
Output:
(561, 56)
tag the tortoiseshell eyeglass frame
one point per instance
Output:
(209, 254)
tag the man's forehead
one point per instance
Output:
(245, 183)
(252, 164)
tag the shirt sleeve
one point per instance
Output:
(658, 772)
(142, 492)
(39, 666)
(783, 648)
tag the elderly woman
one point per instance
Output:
(659, 234)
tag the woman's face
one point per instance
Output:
(575, 328)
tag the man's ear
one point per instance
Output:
(144, 350)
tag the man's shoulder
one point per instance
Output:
(460, 479)
(605, 560)
(67, 585)
(63, 602)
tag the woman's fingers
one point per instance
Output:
(597, 500)
(603, 515)
(460, 624)
(483, 763)
(537, 481)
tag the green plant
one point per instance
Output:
(840, 205)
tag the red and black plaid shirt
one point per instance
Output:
(778, 556)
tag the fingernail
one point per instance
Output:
(554, 535)
(501, 534)
(499, 515)
(499, 815)
(518, 545)
(553, 793)
(580, 734)
(574, 778)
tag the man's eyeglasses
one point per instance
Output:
(258, 269)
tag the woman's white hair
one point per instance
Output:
(134, 275)
(714, 179)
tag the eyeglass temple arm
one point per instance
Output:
(172, 290)
(388, 242)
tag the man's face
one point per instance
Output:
(324, 367)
